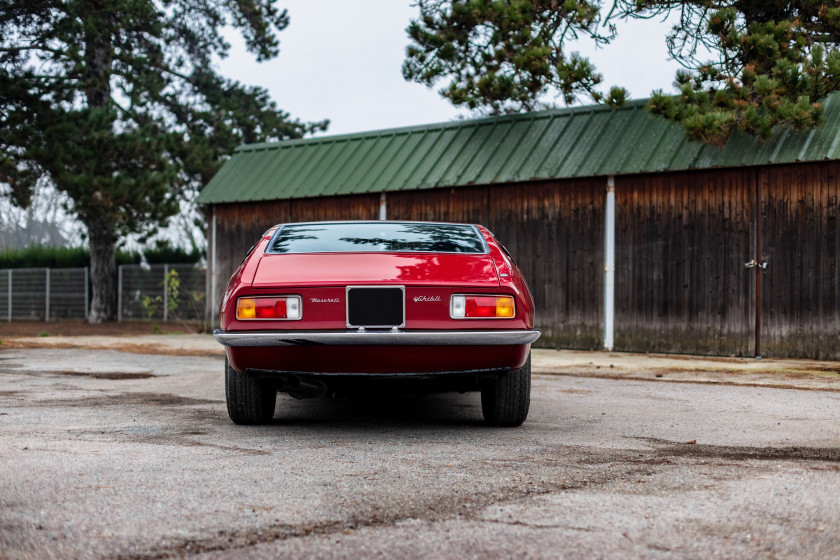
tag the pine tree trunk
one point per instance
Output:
(103, 264)
(103, 272)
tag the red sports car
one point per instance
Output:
(326, 308)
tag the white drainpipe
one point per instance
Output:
(609, 265)
(213, 272)
(383, 207)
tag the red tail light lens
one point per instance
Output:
(482, 307)
(268, 308)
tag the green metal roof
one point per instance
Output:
(558, 144)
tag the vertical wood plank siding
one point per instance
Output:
(681, 243)
(553, 229)
(800, 303)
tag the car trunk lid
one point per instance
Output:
(408, 269)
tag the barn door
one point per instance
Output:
(681, 243)
(799, 311)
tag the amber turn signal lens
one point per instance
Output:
(246, 308)
(270, 308)
(504, 307)
(482, 307)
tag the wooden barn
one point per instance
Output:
(631, 237)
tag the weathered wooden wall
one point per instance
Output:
(801, 242)
(681, 243)
(553, 229)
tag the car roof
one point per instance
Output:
(435, 223)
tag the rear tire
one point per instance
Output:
(250, 400)
(505, 400)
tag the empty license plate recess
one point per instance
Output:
(376, 307)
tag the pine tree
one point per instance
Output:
(749, 65)
(502, 55)
(116, 103)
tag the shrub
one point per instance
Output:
(77, 257)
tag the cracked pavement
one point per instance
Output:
(127, 455)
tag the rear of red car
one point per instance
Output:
(318, 308)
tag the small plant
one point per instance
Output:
(178, 303)
(154, 304)
(44, 334)
(156, 329)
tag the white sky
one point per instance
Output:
(342, 61)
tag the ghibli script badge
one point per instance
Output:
(426, 298)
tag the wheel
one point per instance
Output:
(505, 399)
(250, 400)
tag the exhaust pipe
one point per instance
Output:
(304, 388)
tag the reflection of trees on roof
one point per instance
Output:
(447, 246)
(386, 237)
(288, 235)
(464, 236)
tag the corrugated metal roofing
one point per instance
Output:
(564, 143)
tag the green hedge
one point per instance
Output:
(72, 257)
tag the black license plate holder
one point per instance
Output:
(375, 307)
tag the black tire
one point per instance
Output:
(505, 400)
(250, 400)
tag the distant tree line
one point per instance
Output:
(78, 257)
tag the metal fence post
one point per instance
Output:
(87, 287)
(47, 298)
(165, 293)
(9, 308)
(119, 292)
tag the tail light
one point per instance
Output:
(268, 308)
(482, 307)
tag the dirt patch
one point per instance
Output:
(692, 357)
(125, 399)
(689, 449)
(77, 327)
(178, 440)
(130, 348)
(163, 345)
(104, 374)
(724, 378)
(825, 368)
(794, 372)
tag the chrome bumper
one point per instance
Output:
(378, 338)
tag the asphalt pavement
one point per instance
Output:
(122, 454)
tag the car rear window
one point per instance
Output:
(356, 237)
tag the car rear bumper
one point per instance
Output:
(378, 338)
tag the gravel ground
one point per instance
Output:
(107, 453)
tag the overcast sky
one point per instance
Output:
(342, 61)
